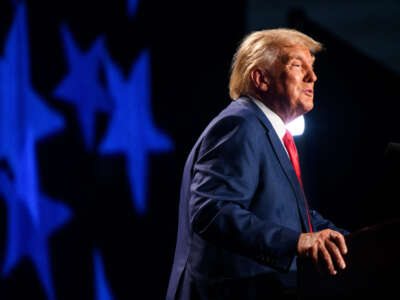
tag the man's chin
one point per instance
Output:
(308, 106)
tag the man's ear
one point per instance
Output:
(260, 79)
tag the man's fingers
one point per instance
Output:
(335, 253)
(315, 258)
(325, 248)
(328, 260)
(339, 240)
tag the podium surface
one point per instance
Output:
(373, 266)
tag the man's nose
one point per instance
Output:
(310, 76)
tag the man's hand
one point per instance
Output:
(324, 247)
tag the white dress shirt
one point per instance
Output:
(276, 121)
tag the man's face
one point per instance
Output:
(292, 83)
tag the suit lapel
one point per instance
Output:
(282, 157)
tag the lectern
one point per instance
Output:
(373, 267)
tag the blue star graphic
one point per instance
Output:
(102, 289)
(27, 235)
(20, 106)
(132, 7)
(132, 130)
(24, 118)
(82, 87)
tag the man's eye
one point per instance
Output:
(296, 65)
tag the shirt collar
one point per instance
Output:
(276, 121)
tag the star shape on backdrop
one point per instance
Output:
(20, 106)
(24, 119)
(132, 7)
(81, 86)
(102, 288)
(132, 130)
(27, 236)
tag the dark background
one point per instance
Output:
(191, 44)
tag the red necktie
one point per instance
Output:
(294, 158)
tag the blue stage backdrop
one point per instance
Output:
(94, 86)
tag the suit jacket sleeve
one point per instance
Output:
(320, 223)
(225, 178)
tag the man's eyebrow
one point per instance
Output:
(301, 58)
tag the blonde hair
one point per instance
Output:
(261, 48)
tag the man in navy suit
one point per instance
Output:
(243, 216)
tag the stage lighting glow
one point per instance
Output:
(297, 126)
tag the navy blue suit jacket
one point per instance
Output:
(241, 211)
